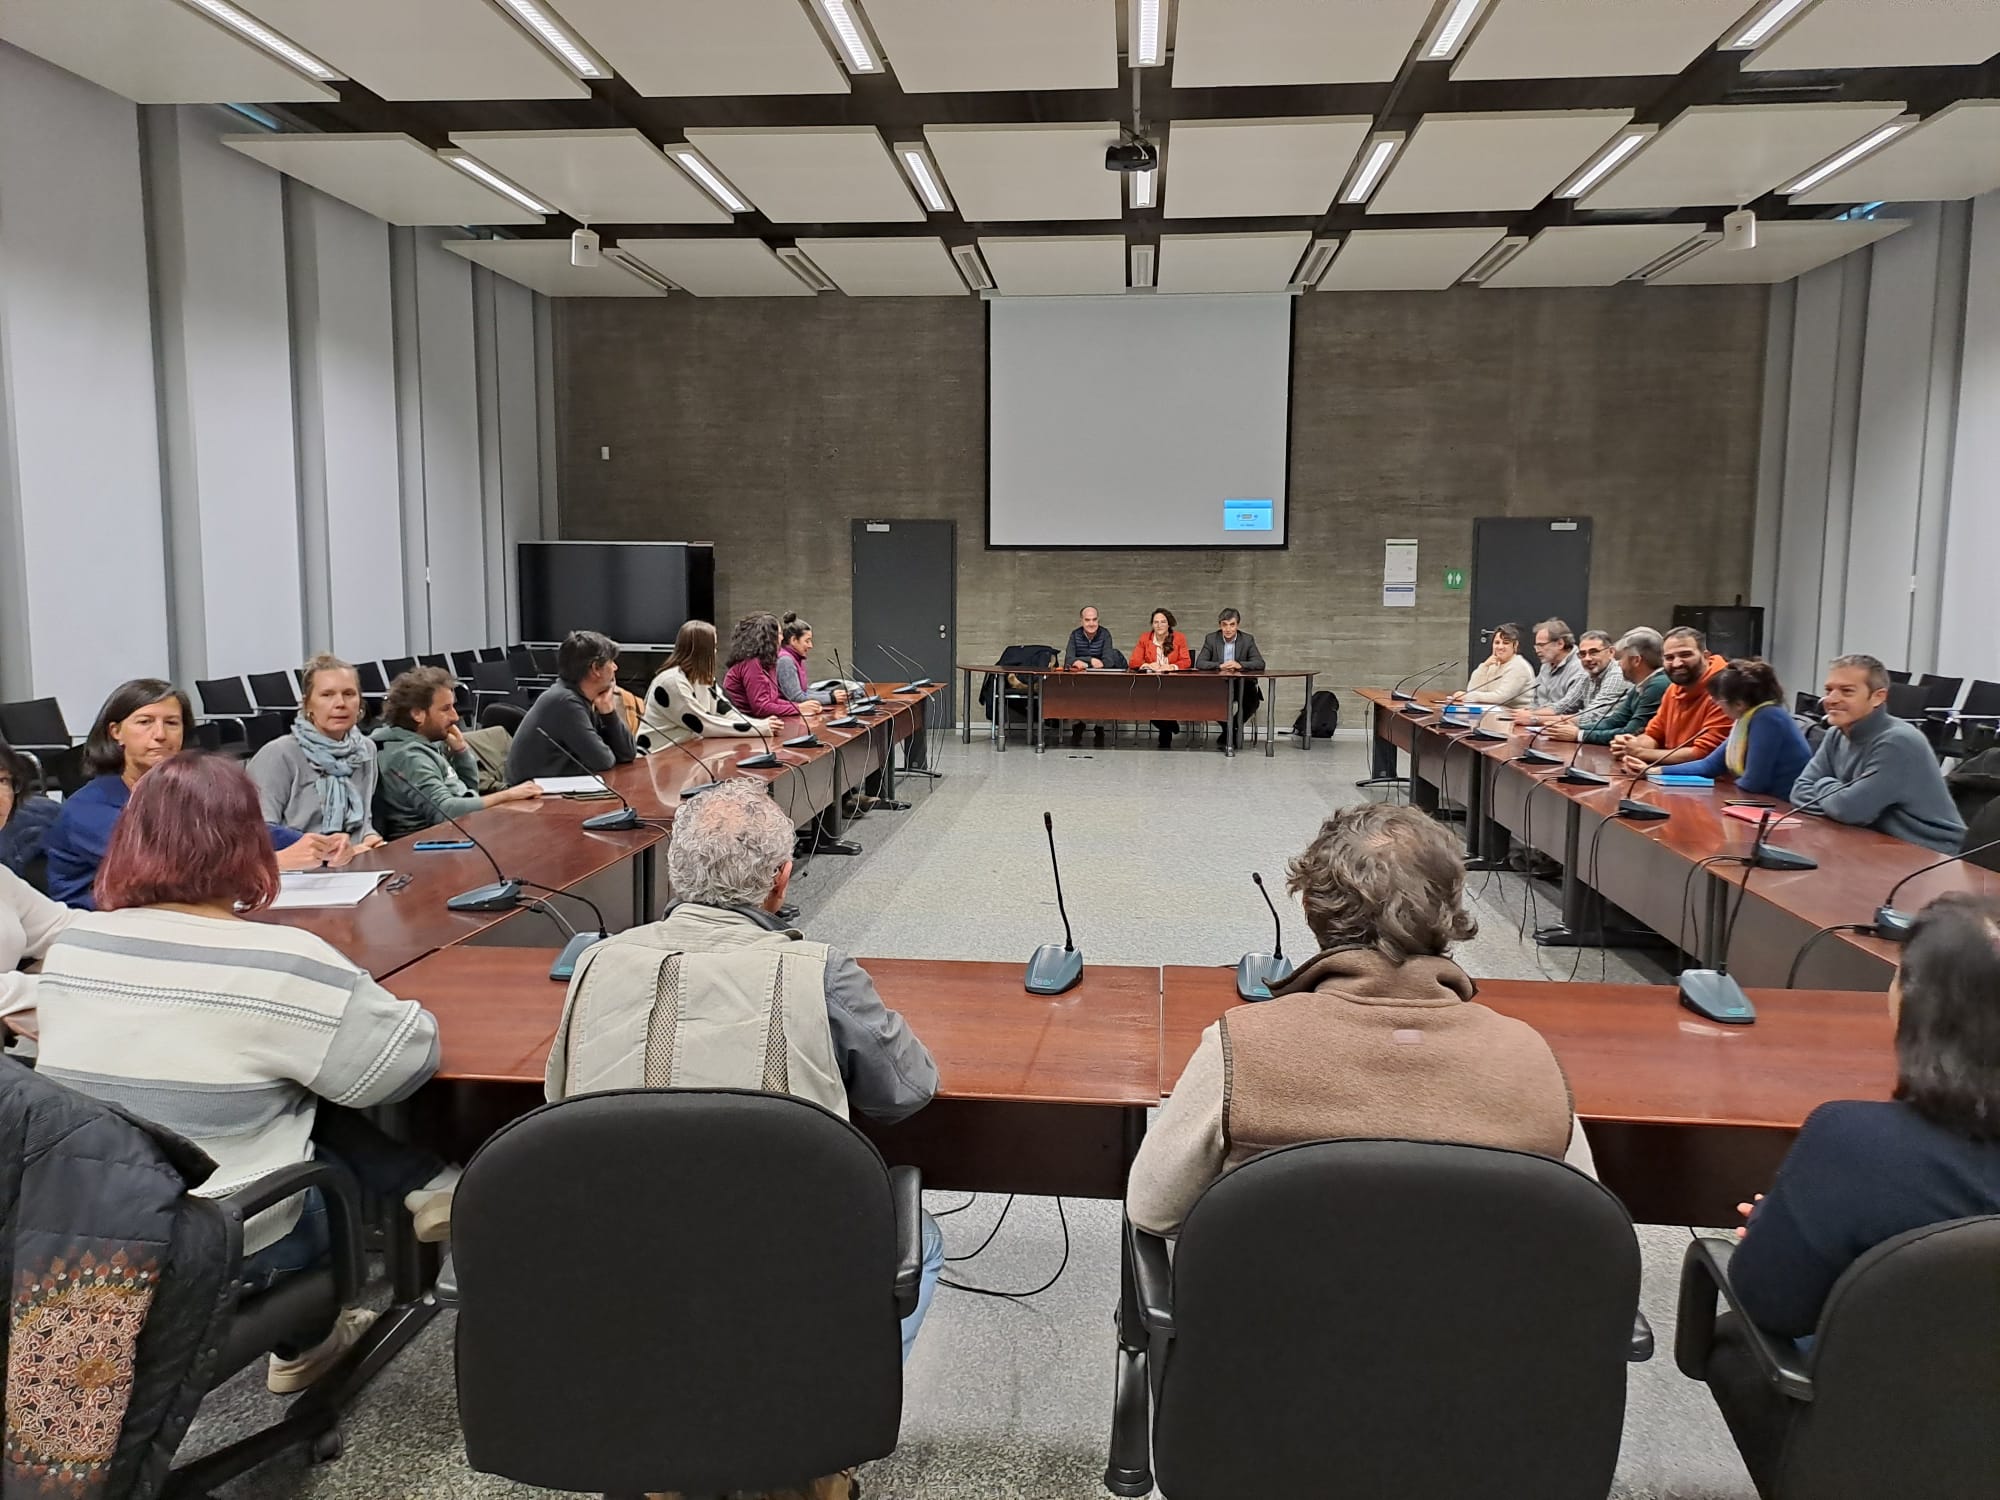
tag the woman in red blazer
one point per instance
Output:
(1162, 649)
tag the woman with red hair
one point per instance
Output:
(257, 1042)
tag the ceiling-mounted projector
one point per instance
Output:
(1131, 156)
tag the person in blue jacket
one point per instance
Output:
(1765, 751)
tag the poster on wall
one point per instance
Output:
(1399, 573)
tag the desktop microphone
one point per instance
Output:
(627, 815)
(1053, 970)
(502, 895)
(695, 789)
(848, 720)
(1479, 731)
(1533, 757)
(768, 758)
(916, 684)
(1581, 778)
(1257, 972)
(1895, 925)
(1648, 812)
(1767, 856)
(1396, 693)
(861, 701)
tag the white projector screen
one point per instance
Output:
(1137, 421)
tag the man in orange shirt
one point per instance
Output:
(1690, 722)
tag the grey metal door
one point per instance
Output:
(905, 576)
(1525, 569)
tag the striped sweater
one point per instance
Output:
(228, 1033)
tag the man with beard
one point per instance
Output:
(1690, 722)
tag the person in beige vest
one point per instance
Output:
(1376, 1037)
(720, 994)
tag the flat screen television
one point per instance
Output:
(638, 593)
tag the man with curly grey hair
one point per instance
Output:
(721, 994)
(1377, 1036)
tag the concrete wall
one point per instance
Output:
(765, 426)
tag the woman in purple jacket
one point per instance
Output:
(751, 681)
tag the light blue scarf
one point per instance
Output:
(334, 763)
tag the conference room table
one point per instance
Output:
(1122, 696)
(1049, 1095)
(543, 844)
(1684, 875)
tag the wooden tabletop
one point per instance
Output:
(1634, 1054)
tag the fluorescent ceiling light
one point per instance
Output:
(848, 35)
(704, 174)
(1591, 175)
(1319, 255)
(1143, 259)
(1686, 250)
(1373, 165)
(559, 41)
(1760, 30)
(923, 175)
(1145, 40)
(1870, 142)
(1445, 41)
(256, 31)
(1145, 187)
(475, 168)
(802, 267)
(626, 261)
(972, 267)
(1497, 257)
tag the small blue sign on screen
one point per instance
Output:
(1248, 515)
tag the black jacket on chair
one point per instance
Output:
(1034, 658)
(1209, 657)
(100, 1231)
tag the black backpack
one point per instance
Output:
(1324, 710)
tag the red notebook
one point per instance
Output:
(1754, 814)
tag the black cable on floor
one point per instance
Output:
(956, 1208)
(1005, 1209)
(987, 1291)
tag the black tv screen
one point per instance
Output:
(638, 593)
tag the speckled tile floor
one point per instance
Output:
(1013, 1399)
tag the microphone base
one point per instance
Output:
(502, 895)
(564, 968)
(916, 687)
(1583, 778)
(1054, 969)
(1481, 732)
(1257, 972)
(1893, 925)
(1716, 995)
(1769, 857)
(803, 742)
(1539, 758)
(613, 822)
(1415, 710)
(1641, 812)
(1399, 696)
(845, 721)
(765, 760)
(697, 788)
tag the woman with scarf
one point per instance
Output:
(321, 778)
(1765, 750)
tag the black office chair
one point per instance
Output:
(1973, 725)
(1906, 701)
(373, 683)
(275, 692)
(1808, 706)
(492, 653)
(35, 727)
(245, 729)
(396, 666)
(462, 663)
(1981, 829)
(494, 682)
(686, 1290)
(1896, 676)
(435, 659)
(1900, 1396)
(528, 668)
(1392, 1318)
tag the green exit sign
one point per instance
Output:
(1454, 578)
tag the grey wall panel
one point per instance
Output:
(454, 528)
(1968, 636)
(520, 510)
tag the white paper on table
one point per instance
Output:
(299, 888)
(569, 786)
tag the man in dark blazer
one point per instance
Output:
(1231, 648)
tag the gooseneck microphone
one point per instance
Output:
(768, 758)
(1053, 970)
(1396, 693)
(911, 664)
(1649, 812)
(503, 894)
(1533, 757)
(1257, 972)
(1895, 925)
(695, 788)
(627, 815)
(1576, 777)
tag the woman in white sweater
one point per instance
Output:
(683, 702)
(29, 922)
(1504, 678)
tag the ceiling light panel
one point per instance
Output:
(1954, 154)
(1406, 260)
(1059, 266)
(1785, 248)
(1251, 168)
(884, 266)
(155, 52)
(914, 157)
(1221, 43)
(1454, 26)
(1028, 173)
(1594, 38)
(849, 34)
(1763, 23)
(1146, 33)
(599, 176)
(957, 46)
(819, 174)
(433, 50)
(1142, 189)
(1720, 155)
(1588, 254)
(1229, 262)
(1607, 161)
(1840, 161)
(543, 266)
(479, 171)
(1370, 167)
(390, 175)
(1877, 34)
(706, 48)
(1483, 163)
(719, 267)
(568, 47)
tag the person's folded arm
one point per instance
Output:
(1184, 1150)
(1715, 763)
(888, 1071)
(616, 735)
(1865, 798)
